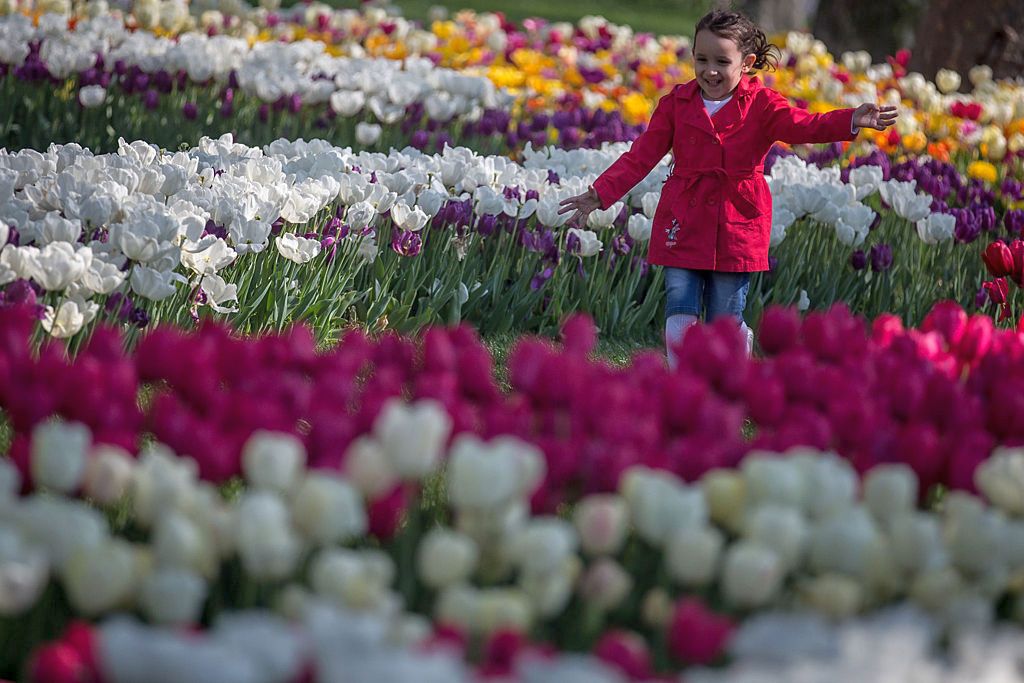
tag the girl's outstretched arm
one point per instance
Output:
(629, 169)
(793, 125)
(647, 150)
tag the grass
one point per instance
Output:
(676, 17)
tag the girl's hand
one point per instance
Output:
(583, 204)
(869, 115)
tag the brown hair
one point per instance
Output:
(741, 30)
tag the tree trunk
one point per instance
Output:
(955, 34)
(879, 26)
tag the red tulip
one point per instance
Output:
(579, 334)
(625, 651)
(779, 330)
(1017, 251)
(998, 259)
(696, 634)
(59, 663)
(948, 319)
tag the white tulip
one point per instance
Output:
(1001, 479)
(445, 557)
(835, 595)
(543, 544)
(367, 134)
(59, 452)
(413, 436)
(782, 218)
(70, 317)
(368, 467)
(867, 180)
(782, 529)
(639, 227)
(162, 482)
(830, 482)
(328, 510)
(947, 80)
(692, 554)
(650, 201)
(491, 475)
(937, 227)
(550, 591)
(603, 218)
(103, 277)
(297, 249)
(602, 522)
(108, 474)
(273, 460)
(348, 103)
(889, 490)
(660, 504)
(179, 542)
(547, 211)
(24, 573)
(752, 575)
(268, 546)
(589, 245)
(172, 597)
(407, 218)
(55, 228)
(154, 284)
(913, 207)
(353, 579)
(917, 544)
(360, 215)
(59, 264)
(605, 584)
(773, 479)
(218, 293)
(843, 543)
(207, 256)
(101, 577)
(979, 74)
(92, 96)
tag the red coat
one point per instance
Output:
(715, 211)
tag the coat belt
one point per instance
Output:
(691, 176)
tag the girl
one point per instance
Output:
(713, 221)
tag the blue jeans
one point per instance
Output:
(689, 292)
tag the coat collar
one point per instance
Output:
(747, 86)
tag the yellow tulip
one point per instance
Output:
(982, 170)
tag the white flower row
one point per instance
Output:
(267, 70)
(789, 529)
(155, 206)
(901, 644)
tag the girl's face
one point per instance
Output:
(718, 64)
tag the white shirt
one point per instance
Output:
(714, 105)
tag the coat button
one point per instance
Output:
(693, 202)
(712, 201)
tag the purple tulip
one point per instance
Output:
(19, 292)
(151, 99)
(119, 305)
(264, 113)
(406, 242)
(1013, 221)
(190, 111)
(538, 280)
(139, 317)
(420, 139)
(859, 260)
(881, 257)
(487, 225)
